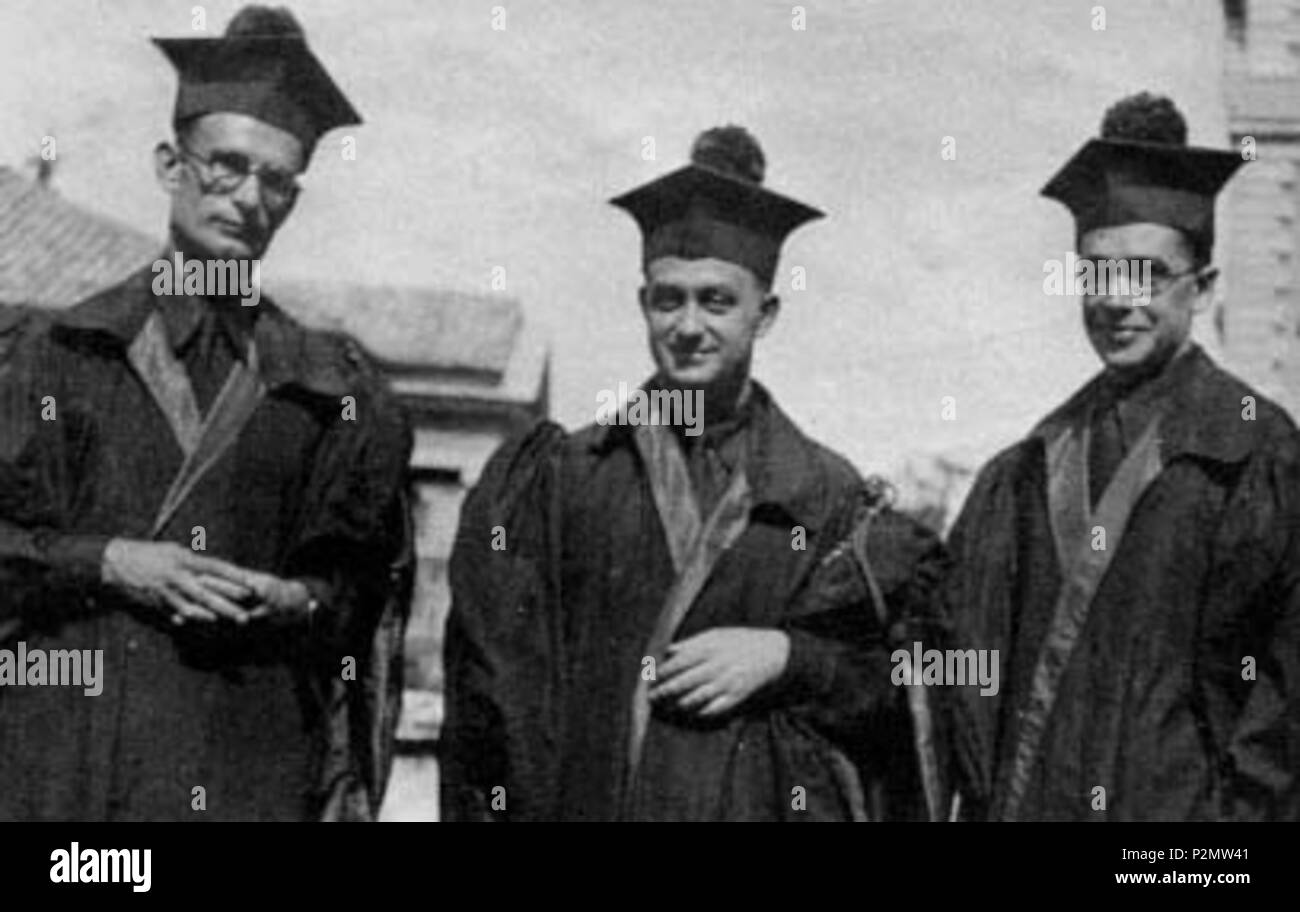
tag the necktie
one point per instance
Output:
(209, 360)
(1105, 451)
(709, 475)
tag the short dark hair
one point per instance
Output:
(1201, 247)
(1202, 252)
(184, 127)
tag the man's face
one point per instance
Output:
(235, 223)
(1137, 337)
(703, 317)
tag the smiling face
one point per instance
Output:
(1139, 338)
(240, 223)
(702, 317)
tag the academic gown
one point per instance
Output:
(559, 572)
(268, 720)
(1178, 700)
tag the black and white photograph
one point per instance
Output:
(679, 412)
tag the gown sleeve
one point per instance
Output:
(841, 667)
(39, 475)
(1262, 756)
(503, 652)
(353, 547)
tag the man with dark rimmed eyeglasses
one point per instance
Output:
(223, 172)
(208, 493)
(1136, 560)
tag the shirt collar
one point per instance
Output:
(782, 464)
(728, 437)
(1137, 404)
(1200, 407)
(288, 354)
(182, 315)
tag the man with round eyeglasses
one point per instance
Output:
(208, 496)
(1136, 559)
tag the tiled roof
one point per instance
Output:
(413, 328)
(53, 253)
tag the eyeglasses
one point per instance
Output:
(1123, 278)
(225, 172)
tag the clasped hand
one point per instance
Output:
(193, 587)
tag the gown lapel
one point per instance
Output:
(201, 440)
(1082, 569)
(695, 545)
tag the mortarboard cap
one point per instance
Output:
(1142, 170)
(716, 207)
(261, 67)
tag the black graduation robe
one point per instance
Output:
(1181, 697)
(260, 718)
(548, 631)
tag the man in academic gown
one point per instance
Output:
(210, 494)
(1136, 559)
(634, 632)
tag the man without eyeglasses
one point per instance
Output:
(632, 633)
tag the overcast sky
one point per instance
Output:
(485, 148)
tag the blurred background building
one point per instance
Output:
(1259, 325)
